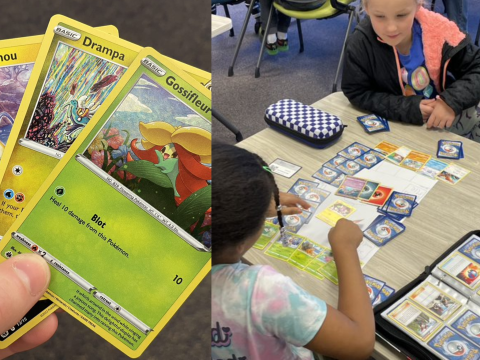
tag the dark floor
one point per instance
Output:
(181, 30)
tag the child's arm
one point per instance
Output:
(349, 332)
(359, 81)
(291, 204)
(442, 115)
(464, 92)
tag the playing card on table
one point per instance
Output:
(398, 155)
(373, 123)
(350, 167)
(351, 187)
(369, 159)
(450, 149)
(334, 162)
(432, 168)
(386, 292)
(374, 287)
(383, 230)
(401, 204)
(301, 186)
(452, 174)
(326, 174)
(385, 148)
(368, 190)
(338, 181)
(354, 150)
(380, 196)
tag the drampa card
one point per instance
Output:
(17, 57)
(76, 69)
(147, 180)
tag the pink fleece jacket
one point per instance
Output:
(436, 30)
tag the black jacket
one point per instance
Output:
(371, 78)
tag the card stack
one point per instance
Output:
(449, 149)
(383, 230)
(378, 290)
(373, 123)
(399, 206)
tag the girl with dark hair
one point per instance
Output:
(258, 313)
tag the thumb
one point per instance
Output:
(23, 280)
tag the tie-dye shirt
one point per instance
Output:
(258, 313)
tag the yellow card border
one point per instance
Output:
(36, 72)
(28, 326)
(422, 285)
(445, 181)
(453, 276)
(439, 325)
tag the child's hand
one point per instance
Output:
(345, 234)
(426, 108)
(289, 204)
(442, 115)
(23, 281)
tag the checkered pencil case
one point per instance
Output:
(311, 126)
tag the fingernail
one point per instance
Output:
(33, 272)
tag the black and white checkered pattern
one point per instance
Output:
(314, 123)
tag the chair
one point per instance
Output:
(330, 9)
(225, 4)
(228, 125)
